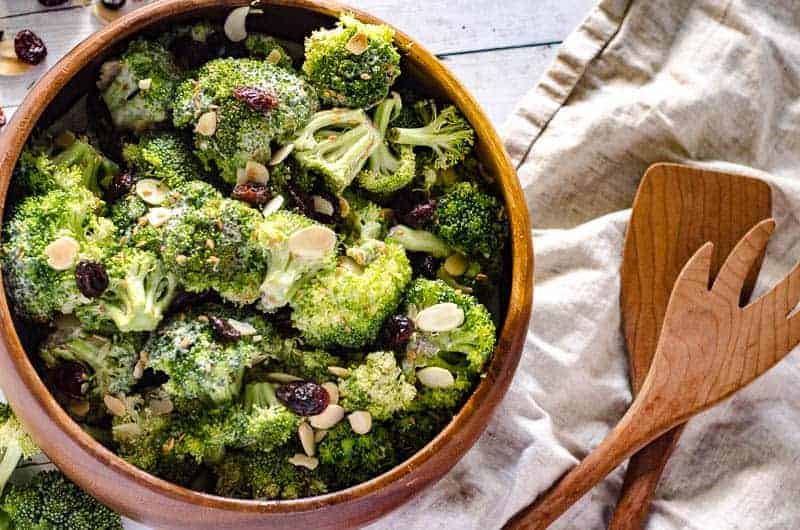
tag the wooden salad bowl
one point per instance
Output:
(161, 504)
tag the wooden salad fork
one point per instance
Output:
(677, 209)
(709, 348)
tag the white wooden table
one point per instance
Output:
(498, 48)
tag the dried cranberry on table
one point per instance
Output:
(255, 98)
(91, 278)
(397, 331)
(303, 397)
(253, 193)
(29, 47)
(120, 185)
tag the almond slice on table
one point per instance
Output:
(152, 191)
(62, 253)
(329, 417)
(312, 242)
(440, 317)
(435, 377)
(13, 67)
(7, 50)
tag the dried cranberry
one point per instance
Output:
(70, 378)
(423, 264)
(253, 193)
(282, 320)
(52, 3)
(419, 214)
(120, 185)
(223, 329)
(183, 300)
(113, 4)
(2, 117)
(303, 397)
(29, 47)
(397, 331)
(91, 278)
(255, 98)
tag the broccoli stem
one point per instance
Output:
(11, 457)
(419, 241)
(260, 395)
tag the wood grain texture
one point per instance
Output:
(709, 348)
(146, 498)
(677, 209)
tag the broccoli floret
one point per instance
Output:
(142, 433)
(377, 386)
(51, 501)
(410, 431)
(139, 87)
(268, 48)
(350, 458)
(387, 171)
(44, 240)
(202, 364)
(241, 133)
(353, 64)
(365, 220)
(290, 173)
(415, 240)
(140, 288)
(470, 220)
(215, 247)
(308, 364)
(448, 135)
(163, 156)
(78, 165)
(266, 476)
(346, 306)
(15, 444)
(466, 347)
(449, 398)
(110, 360)
(264, 423)
(336, 143)
(297, 248)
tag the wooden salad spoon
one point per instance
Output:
(677, 209)
(709, 348)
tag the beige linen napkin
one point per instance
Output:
(715, 82)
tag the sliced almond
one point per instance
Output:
(306, 435)
(62, 253)
(357, 44)
(12, 67)
(145, 84)
(440, 317)
(244, 328)
(114, 405)
(344, 207)
(281, 154)
(234, 26)
(274, 56)
(320, 435)
(206, 124)
(126, 431)
(301, 460)
(312, 242)
(138, 369)
(338, 371)
(435, 377)
(333, 392)
(256, 172)
(105, 15)
(329, 417)
(64, 139)
(322, 205)
(80, 408)
(7, 50)
(456, 264)
(152, 191)
(158, 216)
(161, 406)
(280, 377)
(274, 205)
(360, 421)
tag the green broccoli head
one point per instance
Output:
(297, 248)
(200, 353)
(139, 87)
(142, 433)
(290, 173)
(470, 220)
(215, 247)
(417, 240)
(140, 288)
(336, 143)
(353, 64)
(50, 500)
(44, 240)
(349, 458)
(305, 363)
(109, 361)
(264, 423)
(448, 398)
(232, 128)
(388, 169)
(411, 431)
(346, 306)
(15, 444)
(365, 220)
(466, 346)
(269, 49)
(164, 156)
(377, 386)
(448, 136)
(266, 476)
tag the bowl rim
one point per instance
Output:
(63, 439)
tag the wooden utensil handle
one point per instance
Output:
(641, 479)
(632, 433)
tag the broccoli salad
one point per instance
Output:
(258, 270)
